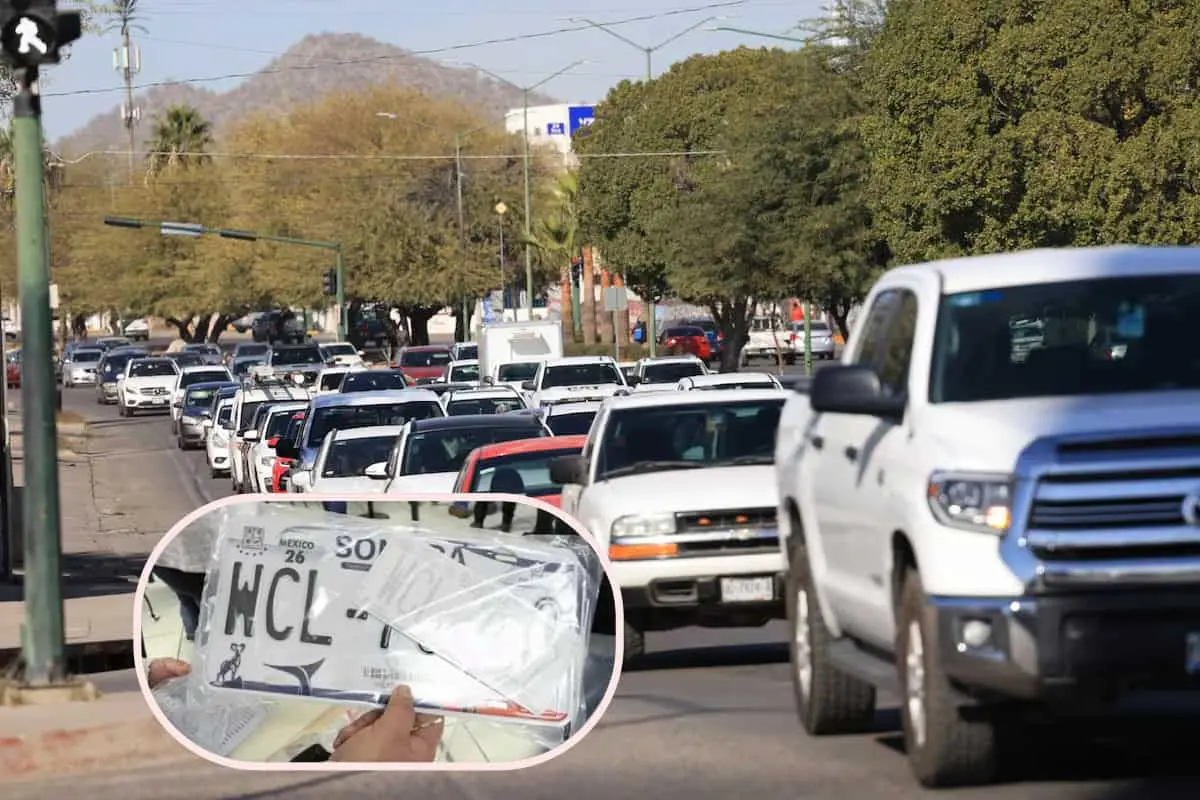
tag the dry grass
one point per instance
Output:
(70, 418)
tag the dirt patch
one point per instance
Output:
(70, 418)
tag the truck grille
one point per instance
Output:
(727, 532)
(1116, 500)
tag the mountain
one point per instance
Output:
(317, 65)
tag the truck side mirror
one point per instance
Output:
(529, 386)
(853, 389)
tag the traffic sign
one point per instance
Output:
(616, 298)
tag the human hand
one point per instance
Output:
(395, 734)
(161, 670)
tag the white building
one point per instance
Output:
(552, 125)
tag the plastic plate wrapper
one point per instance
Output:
(323, 606)
(218, 725)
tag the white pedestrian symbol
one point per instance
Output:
(31, 38)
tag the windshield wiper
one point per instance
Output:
(643, 467)
(762, 458)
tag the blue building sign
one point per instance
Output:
(579, 117)
(556, 128)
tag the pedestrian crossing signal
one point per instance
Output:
(329, 284)
(34, 33)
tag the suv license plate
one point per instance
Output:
(1192, 663)
(748, 590)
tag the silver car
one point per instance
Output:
(210, 354)
(79, 367)
(823, 346)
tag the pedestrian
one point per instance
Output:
(182, 566)
(394, 734)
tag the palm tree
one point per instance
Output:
(124, 17)
(179, 139)
(557, 238)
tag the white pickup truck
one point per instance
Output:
(676, 487)
(991, 526)
(576, 378)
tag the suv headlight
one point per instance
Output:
(639, 525)
(971, 501)
(220, 439)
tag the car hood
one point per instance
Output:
(597, 391)
(708, 489)
(990, 436)
(428, 482)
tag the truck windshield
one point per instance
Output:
(517, 371)
(671, 372)
(594, 374)
(296, 356)
(688, 436)
(1097, 336)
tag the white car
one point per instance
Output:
(146, 385)
(216, 439)
(591, 377)
(260, 456)
(464, 371)
(138, 330)
(329, 381)
(730, 380)
(570, 418)
(246, 403)
(80, 367)
(464, 351)
(191, 375)
(430, 452)
(485, 400)
(665, 372)
(342, 354)
(344, 458)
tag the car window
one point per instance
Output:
(277, 424)
(373, 380)
(517, 371)
(349, 458)
(599, 373)
(331, 381)
(522, 473)
(425, 358)
(152, 369)
(86, 356)
(671, 372)
(296, 356)
(199, 397)
(206, 376)
(884, 304)
(225, 414)
(571, 424)
(445, 451)
(344, 418)
(483, 405)
(895, 354)
(465, 373)
(339, 349)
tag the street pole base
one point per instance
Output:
(14, 693)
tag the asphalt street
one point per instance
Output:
(709, 713)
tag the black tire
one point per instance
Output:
(120, 410)
(834, 702)
(212, 473)
(179, 443)
(955, 750)
(635, 645)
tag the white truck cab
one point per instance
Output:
(677, 488)
(662, 374)
(579, 377)
(246, 403)
(987, 508)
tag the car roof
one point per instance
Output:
(670, 360)
(538, 445)
(1051, 265)
(145, 359)
(469, 421)
(653, 399)
(379, 397)
(467, 362)
(335, 344)
(426, 348)
(719, 378)
(262, 394)
(482, 392)
(567, 361)
(203, 385)
(286, 407)
(371, 432)
(201, 368)
(582, 407)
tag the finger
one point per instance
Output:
(429, 729)
(400, 715)
(176, 668)
(354, 727)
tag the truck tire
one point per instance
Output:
(944, 748)
(828, 702)
(635, 644)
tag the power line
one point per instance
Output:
(392, 157)
(524, 37)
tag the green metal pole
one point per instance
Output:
(808, 364)
(340, 294)
(651, 302)
(42, 634)
(528, 217)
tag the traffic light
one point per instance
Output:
(33, 32)
(329, 283)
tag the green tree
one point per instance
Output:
(1007, 125)
(179, 139)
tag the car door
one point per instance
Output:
(572, 493)
(830, 474)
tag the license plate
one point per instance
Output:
(748, 590)
(159, 402)
(1192, 663)
(344, 612)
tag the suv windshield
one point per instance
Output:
(577, 424)
(339, 350)
(331, 381)
(243, 350)
(349, 458)
(278, 424)
(205, 376)
(445, 451)
(1096, 336)
(152, 369)
(86, 356)
(483, 405)
(344, 418)
(523, 473)
(292, 356)
(425, 358)
(654, 438)
(199, 398)
(464, 373)
(517, 371)
(671, 372)
(581, 375)
(373, 380)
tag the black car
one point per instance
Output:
(371, 332)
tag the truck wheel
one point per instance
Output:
(635, 644)
(944, 748)
(827, 701)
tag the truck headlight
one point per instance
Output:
(639, 525)
(971, 501)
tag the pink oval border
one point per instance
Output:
(332, 766)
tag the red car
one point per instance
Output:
(422, 361)
(12, 369)
(687, 340)
(517, 467)
(283, 466)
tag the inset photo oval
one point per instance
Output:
(434, 631)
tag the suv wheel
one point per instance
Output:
(827, 701)
(944, 747)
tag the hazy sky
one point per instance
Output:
(208, 39)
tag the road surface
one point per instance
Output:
(708, 715)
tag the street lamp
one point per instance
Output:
(761, 34)
(525, 92)
(501, 210)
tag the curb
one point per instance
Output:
(128, 745)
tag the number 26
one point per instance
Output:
(293, 557)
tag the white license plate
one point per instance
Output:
(159, 402)
(1192, 663)
(299, 609)
(748, 590)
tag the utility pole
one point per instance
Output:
(648, 52)
(127, 60)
